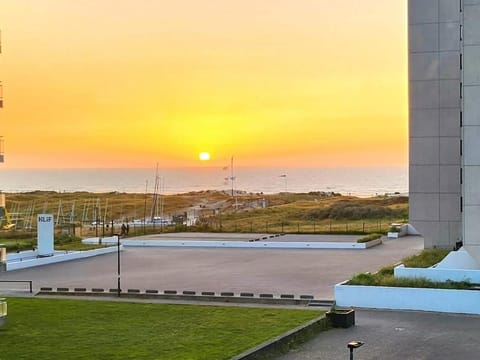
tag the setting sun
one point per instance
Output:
(204, 156)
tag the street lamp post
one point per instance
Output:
(354, 345)
(118, 265)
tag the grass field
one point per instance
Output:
(74, 329)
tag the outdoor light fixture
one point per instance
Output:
(118, 264)
(353, 345)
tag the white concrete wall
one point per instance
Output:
(440, 275)
(395, 298)
(59, 258)
(250, 244)
(434, 91)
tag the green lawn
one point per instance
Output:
(74, 329)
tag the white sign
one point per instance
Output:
(45, 226)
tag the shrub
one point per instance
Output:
(369, 237)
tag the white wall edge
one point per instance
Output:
(397, 298)
(438, 274)
(67, 256)
(252, 244)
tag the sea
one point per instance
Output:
(359, 181)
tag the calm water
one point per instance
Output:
(356, 181)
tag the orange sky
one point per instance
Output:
(129, 83)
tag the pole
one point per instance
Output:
(145, 207)
(118, 266)
(231, 172)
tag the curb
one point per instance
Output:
(283, 343)
(224, 297)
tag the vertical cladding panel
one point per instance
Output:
(449, 65)
(424, 66)
(472, 190)
(449, 95)
(424, 122)
(471, 101)
(449, 36)
(450, 179)
(448, 11)
(424, 94)
(471, 72)
(424, 179)
(425, 207)
(471, 145)
(423, 11)
(449, 151)
(471, 31)
(449, 122)
(449, 207)
(423, 38)
(471, 224)
(424, 151)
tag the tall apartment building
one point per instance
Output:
(444, 104)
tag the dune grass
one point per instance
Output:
(76, 329)
(427, 258)
(369, 237)
(314, 212)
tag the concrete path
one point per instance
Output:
(278, 271)
(393, 335)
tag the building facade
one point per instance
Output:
(444, 110)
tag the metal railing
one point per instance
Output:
(30, 282)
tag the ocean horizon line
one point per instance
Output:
(356, 181)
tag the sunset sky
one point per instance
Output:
(129, 83)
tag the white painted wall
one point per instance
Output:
(242, 244)
(22, 264)
(440, 275)
(395, 298)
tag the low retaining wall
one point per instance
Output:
(189, 295)
(283, 343)
(239, 244)
(109, 240)
(67, 256)
(397, 298)
(438, 274)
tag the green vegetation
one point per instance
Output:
(318, 214)
(314, 212)
(427, 258)
(73, 329)
(369, 237)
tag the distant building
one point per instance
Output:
(444, 104)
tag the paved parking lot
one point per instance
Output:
(277, 271)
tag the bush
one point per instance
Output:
(369, 237)
(348, 211)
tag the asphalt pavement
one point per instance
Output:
(276, 271)
(398, 335)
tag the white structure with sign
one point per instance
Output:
(45, 226)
